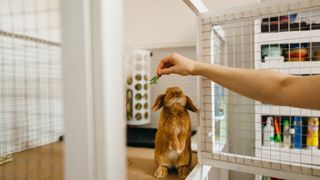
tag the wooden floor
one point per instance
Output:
(46, 163)
(141, 165)
(41, 163)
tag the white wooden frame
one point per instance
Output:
(199, 172)
(202, 171)
(93, 90)
(207, 159)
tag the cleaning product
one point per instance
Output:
(292, 134)
(298, 132)
(277, 138)
(268, 132)
(312, 136)
(286, 134)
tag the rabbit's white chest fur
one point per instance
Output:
(173, 155)
(177, 130)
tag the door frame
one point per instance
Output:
(93, 89)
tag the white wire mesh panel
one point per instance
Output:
(30, 90)
(276, 36)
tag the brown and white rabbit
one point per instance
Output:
(173, 138)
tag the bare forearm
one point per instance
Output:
(264, 86)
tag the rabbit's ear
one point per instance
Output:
(190, 106)
(159, 102)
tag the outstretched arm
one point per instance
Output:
(262, 85)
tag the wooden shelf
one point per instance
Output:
(305, 67)
(288, 37)
(267, 109)
(306, 156)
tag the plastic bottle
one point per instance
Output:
(268, 133)
(277, 137)
(298, 132)
(286, 134)
(312, 136)
(292, 134)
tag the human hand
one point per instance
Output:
(176, 64)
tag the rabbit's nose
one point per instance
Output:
(177, 93)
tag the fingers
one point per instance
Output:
(165, 63)
(167, 71)
(167, 60)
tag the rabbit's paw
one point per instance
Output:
(181, 148)
(175, 147)
(179, 151)
(161, 172)
(183, 172)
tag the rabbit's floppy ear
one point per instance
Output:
(159, 102)
(190, 106)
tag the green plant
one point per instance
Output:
(154, 80)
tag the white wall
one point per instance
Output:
(217, 5)
(158, 23)
(161, 23)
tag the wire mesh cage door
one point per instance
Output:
(31, 116)
(241, 134)
(35, 113)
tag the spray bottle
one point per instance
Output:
(268, 133)
(312, 136)
(286, 134)
(277, 137)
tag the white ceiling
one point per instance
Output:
(159, 23)
(222, 4)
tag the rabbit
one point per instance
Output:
(173, 137)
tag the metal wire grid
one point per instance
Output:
(234, 133)
(30, 84)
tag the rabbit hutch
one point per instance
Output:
(240, 134)
(65, 85)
